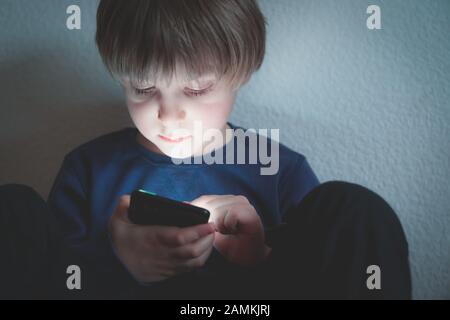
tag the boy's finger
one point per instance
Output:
(121, 211)
(124, 202)
(175, 237)
(194, 249)
(238, 218)
(225, 219)
(203, 200)
(231, 221)
(218, 200)
(211, 203)
(197, 262)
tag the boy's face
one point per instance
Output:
(165, 112)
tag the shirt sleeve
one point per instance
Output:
(295, 183)
(98, 263)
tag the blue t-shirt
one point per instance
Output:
(94, 175)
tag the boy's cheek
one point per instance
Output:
(136, 103)
(214, 115)
(142, 111)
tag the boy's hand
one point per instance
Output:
(155, 253)
(240, 235)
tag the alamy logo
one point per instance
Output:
(73, 282)
(73, 22)
(374, 280)
(256, 150)
(374, 20)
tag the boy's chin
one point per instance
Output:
(177, 152)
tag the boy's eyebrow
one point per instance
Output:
(203, 78)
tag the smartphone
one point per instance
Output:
(147, 208)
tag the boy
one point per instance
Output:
(181, 63)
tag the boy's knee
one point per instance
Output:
(18, 201)
(15, 190)
(356, 200)
(343, 203)
(361, 207)
(349, 191)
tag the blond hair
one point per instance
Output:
(148, 39)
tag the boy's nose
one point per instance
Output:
(171, 113)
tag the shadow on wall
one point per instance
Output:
(49, 108)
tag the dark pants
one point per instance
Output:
(335, 234)
(324, 250)
(28, 244)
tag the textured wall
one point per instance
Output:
(371, 107)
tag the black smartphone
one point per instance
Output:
(147, 208)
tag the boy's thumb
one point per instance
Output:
(122, 207)
(231, 221)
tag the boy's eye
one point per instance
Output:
(152, 90)
(145, 91)
(193, 92)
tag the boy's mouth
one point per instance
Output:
(172, 139)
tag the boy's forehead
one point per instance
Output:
(177, 77)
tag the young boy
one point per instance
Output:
(181, 63)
